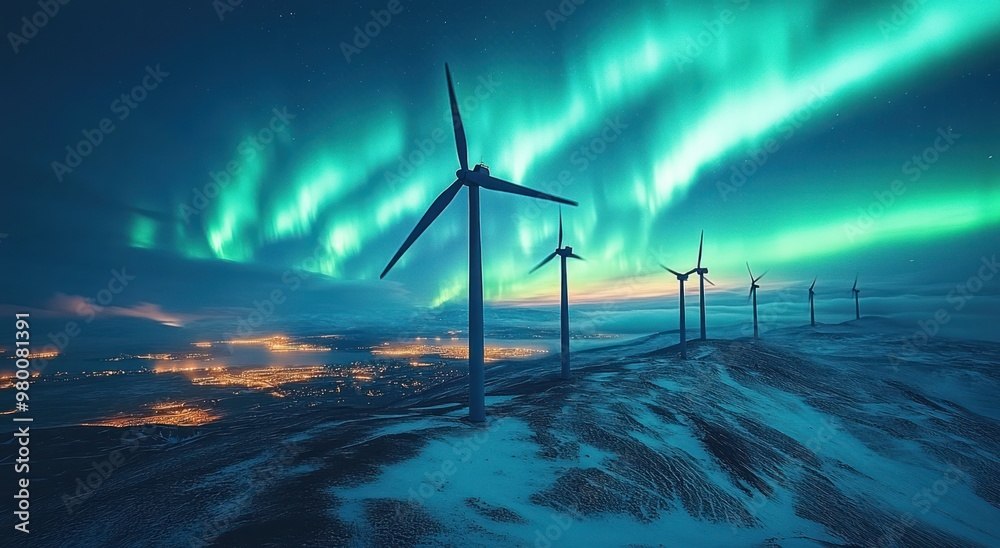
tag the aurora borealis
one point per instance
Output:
(810, 136)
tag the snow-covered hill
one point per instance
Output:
(811, 436)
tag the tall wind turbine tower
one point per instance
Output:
(857, 307)
(812, 305)
(753, 295)
(564, 253)
(681, 278)
(701, 284)
(474, 179)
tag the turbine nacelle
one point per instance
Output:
(560, 251)
(478, 174)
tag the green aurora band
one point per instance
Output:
(695, 87)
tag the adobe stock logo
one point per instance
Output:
(915, 168)
(224, 7)
(248, 148)
(123, 107)
(901, 14)
(37, 21)
(562, 12)
(363, 37)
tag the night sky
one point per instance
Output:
(809, 138)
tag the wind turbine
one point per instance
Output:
(812, 306)
(701, 284)
(857, 307)
(474, 179)
(564, 253)
(681, 278)
(753, 294)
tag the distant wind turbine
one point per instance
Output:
(753, 294)
(564, 253)
(473, 179)
(681, 278)
(812, 306)
(701, 284)
(857, 307)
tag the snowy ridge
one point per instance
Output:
(810, 436)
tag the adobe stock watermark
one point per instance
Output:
(553, 529)
(225, 7)
(425, 147)
(768, 316)
(436, 478)
(563, 11)
(263, 476)
(695, 46)
(363, 36)
(581, 157)
(901, 14)
(264, 309)
(758, 156)
(957, 298)
(923, 500)
(246, 151)
(30, 26)
(291, 280)
(915, 167)
(123, 106)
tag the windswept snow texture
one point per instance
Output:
(812, 436)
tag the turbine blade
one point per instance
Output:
(541, 264)
(761, 276)
(560, 229)
(432, 213)
(750, 294)
(672, 271)
(813, 284)
(456, 120)
(855, 286)
(492, 183)
(707, 280)
(575, 256)
(700, 242)
(750, 271)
